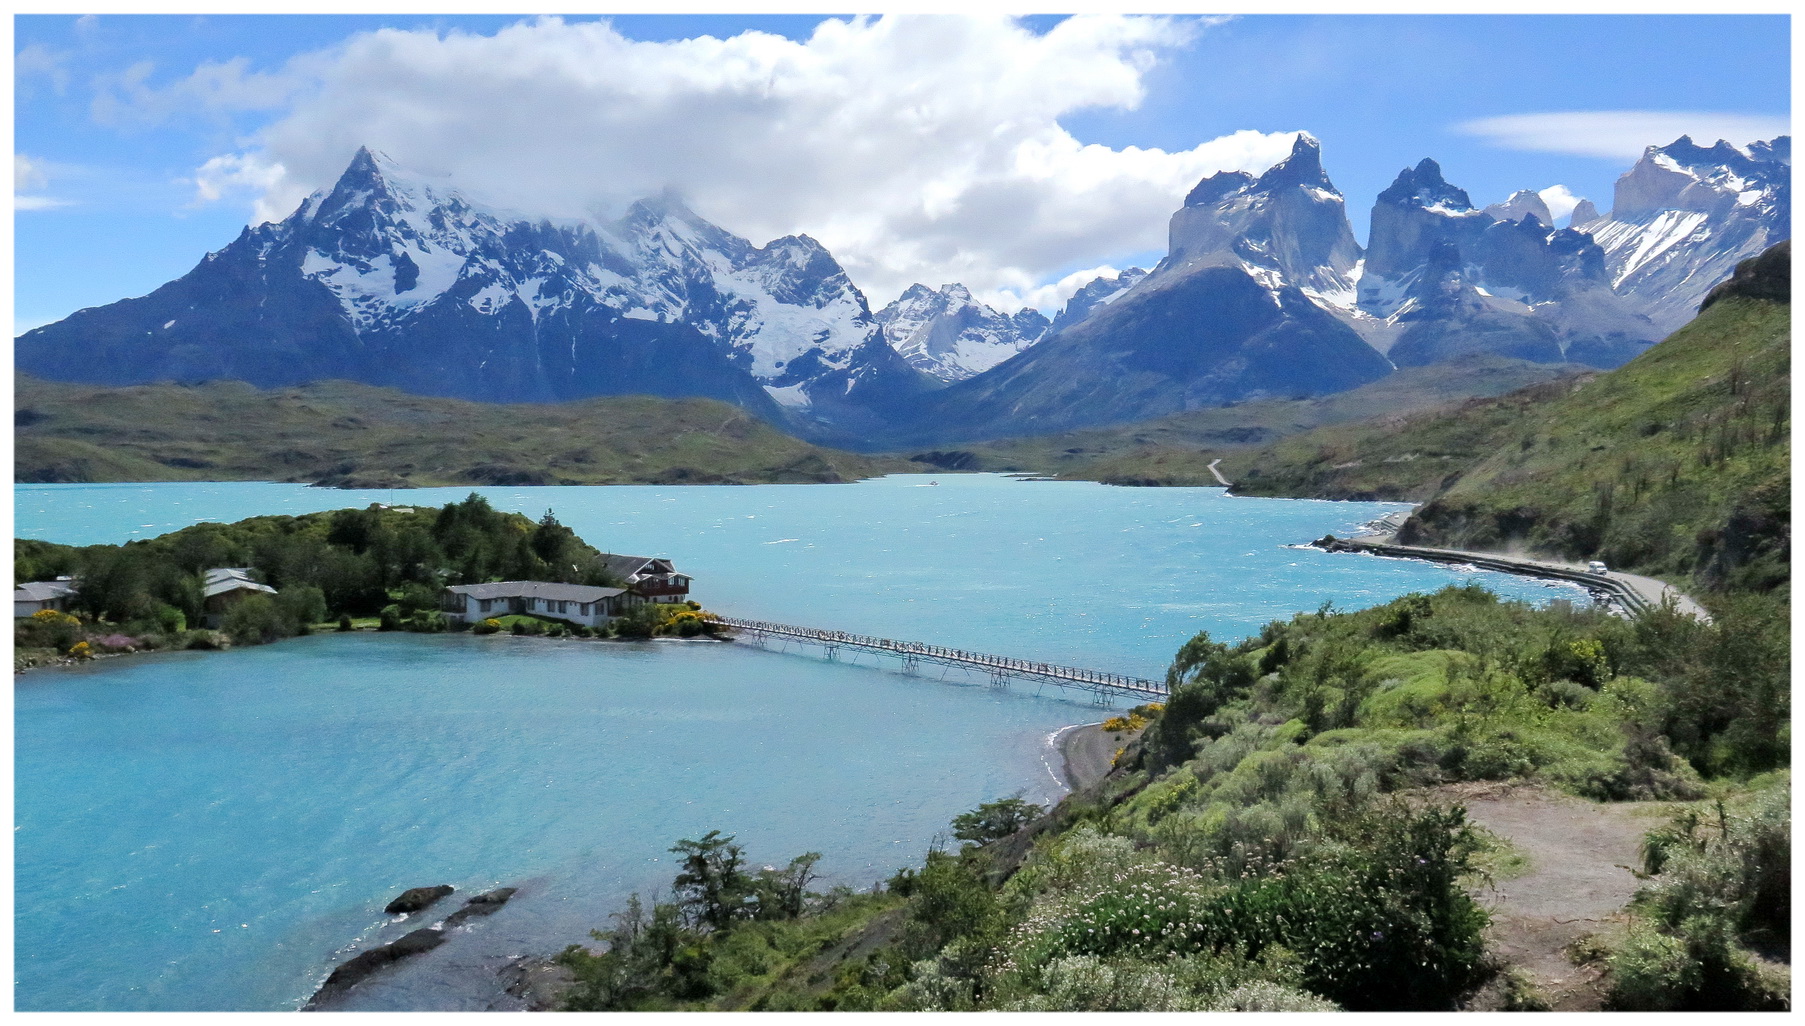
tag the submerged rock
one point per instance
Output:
(416, 898)
(359, 968)
(422, 940)
(481, 905)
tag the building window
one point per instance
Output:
(483, 605)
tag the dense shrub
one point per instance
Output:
(256, 619)
(203, 640)
(1695, 967)
(302, 605)
(660, 619)
(47, 628)
(427, 621)
(1735, 863)
(950, 901)
(1375, 920)
(1204, 676)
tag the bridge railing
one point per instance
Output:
(1048, 671)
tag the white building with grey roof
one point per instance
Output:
(37, 596)
(575, 603)
(226, 586)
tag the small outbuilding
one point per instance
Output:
(37, 596)
(575, 603)
(224, 587)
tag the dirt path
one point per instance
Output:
(1578, 878)
(1226, 483)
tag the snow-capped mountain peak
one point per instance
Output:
(394, 277)
(1685, 214)
(1096, 294)
(1288, 225)
(949, 335)
(1522, 203)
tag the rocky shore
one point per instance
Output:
(412, 901)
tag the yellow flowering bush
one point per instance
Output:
(1117, 724)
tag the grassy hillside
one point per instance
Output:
(342, 433)
(1177, 450)
(1401, 456)
(1675, 464)
(1288, 835)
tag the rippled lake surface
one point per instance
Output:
(218, 830)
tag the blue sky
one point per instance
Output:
(117, 119)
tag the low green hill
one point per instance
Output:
(352, 435)
(1177, 450)
(1399, 457)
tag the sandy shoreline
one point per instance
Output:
(1086, 754)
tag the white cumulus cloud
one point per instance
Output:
(917, 148)
(1560, 200)
(236, 173)
(1619, 134)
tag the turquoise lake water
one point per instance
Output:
(217, 831)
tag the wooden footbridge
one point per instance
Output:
(999, 669)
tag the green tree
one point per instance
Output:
(783, 893)
(993, 821)
(550, 543)
(352, 528)
(712, 888)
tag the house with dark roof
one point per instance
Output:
(576, 603)
(224, 587)
(38, 596)
(648, 578)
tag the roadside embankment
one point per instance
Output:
(1632, 593)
